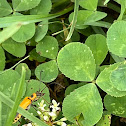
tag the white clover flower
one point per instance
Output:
(61, 123)
(34, 124)
(55, 106)
(41, 103)
(53, 115)
(46, 113)
(55, 103)
(46, 118)
(39, 112)
(64, 124)
(63, 119)
(42, 108)
(29, 124)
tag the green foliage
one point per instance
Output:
(105, 83)
(7, 21)
(6, 86)
(41, 30)
(115, 105)
(35, 85)
(73, 87)
(75, 37)
(76, 65)
(74, 20)
(123, 6)
(19, 69)
(20, 110)
(24, 33)
(17, 99)
(14, 48)
(48, 47)
(9, 88)
(35, 56)
(86, 16)
(97, 44)
(2, 59)
(120, 75)
(19, 5)
(5, 8)
(89, 5)
(76, 48)
(43, 8)
(116, 38)
(8, 32)
(86, 101)
(105, 120)
(48, 71)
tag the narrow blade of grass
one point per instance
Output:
(60, 31)
(7, 21)
(76, 6)
(20, 110)
(0, 113)
(8, 32)
(17, 100)
(14, 65)
(123, 6)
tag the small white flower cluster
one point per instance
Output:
(49, 115)
(29, 124)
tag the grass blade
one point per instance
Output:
(0, 113)
(17, 100)
(20, 110)
(76, 6)
(7, 21)
(14, 65)
(8, 32)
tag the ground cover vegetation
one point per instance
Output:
(62, 62)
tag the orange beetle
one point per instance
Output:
(27, 102)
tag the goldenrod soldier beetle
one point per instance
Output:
(27, 102)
